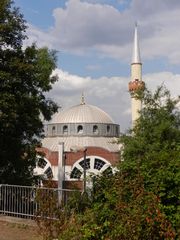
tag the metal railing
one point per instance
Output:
(30, 202)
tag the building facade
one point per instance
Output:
(80, 140)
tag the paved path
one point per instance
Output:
(18, 229)
(23, 221)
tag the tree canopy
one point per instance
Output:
(25, 77)
(153, 150)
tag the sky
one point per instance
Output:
(94, 44)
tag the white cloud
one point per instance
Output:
(110, 94)
(69, 81)
(84, 26)
(170, 80)
(42, 39)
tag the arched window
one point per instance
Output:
(76, 173)
(49, 173)
(108, 129)
(87, 163)
(95, 129)
(41, 163)
(93, 165)
(65, 129)
(108, 171)
(43, 168)
(80, 129)
(98, 164)
(53, 130)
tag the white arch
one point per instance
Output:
(42, 171)
(93, 169)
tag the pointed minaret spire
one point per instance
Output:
(136, 57)
(82, 99)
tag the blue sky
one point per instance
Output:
(94, 40)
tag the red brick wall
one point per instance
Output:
(51, 156)
(71, 157)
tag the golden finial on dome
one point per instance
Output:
(82, 99)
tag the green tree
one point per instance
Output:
(120, 209)
(153, 150)
(25, 77)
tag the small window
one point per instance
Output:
(87, 163)
(49, 173)
(65, 129)
(108, 171)
(53, 130)
(95, 129)
(80, 129)
(98, 164)
(41, 163)
(108, 129)
(76, 173)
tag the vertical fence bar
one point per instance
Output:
(19, 201)
(28, 202)
(4, 198)
(9, 199)
(15, 199)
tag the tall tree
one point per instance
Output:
(25, 77)
(153, 151)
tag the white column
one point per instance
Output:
(60, 168)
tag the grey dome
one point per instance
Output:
(82, 113)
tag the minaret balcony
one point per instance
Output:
(136, 85)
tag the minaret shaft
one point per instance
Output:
(136, 72)
(136, 107)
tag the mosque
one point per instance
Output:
(81, 142)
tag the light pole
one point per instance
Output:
(84, 170)
(84, 150)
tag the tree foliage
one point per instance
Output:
(154, 150)
(120, 209)
(25, 77)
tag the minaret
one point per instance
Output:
(136, 84)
